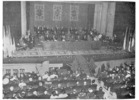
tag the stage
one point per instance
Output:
(38, 55)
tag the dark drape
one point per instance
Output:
(124, 17)
(12, 17)
(91, 10)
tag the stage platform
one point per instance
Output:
(38, 55)
(30, 59)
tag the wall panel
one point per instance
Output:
(83, 15)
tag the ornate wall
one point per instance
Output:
(84, 11)
(106, 17)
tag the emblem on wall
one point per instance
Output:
(57, 12)
(39, 12)
(74, 12)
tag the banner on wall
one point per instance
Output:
(74, 12)
(39, 12)
(57, 12)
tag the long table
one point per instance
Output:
(72, 46)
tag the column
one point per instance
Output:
(23, 18)
(110, 19)
(97, 16)
(104, 18)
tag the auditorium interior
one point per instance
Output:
(68, 50)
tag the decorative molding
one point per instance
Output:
(27, 67)
(74, 13)
(57, 12)
(39, 12)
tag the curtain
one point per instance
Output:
(12, 17)
(91, 10)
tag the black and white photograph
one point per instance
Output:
(68, 49)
